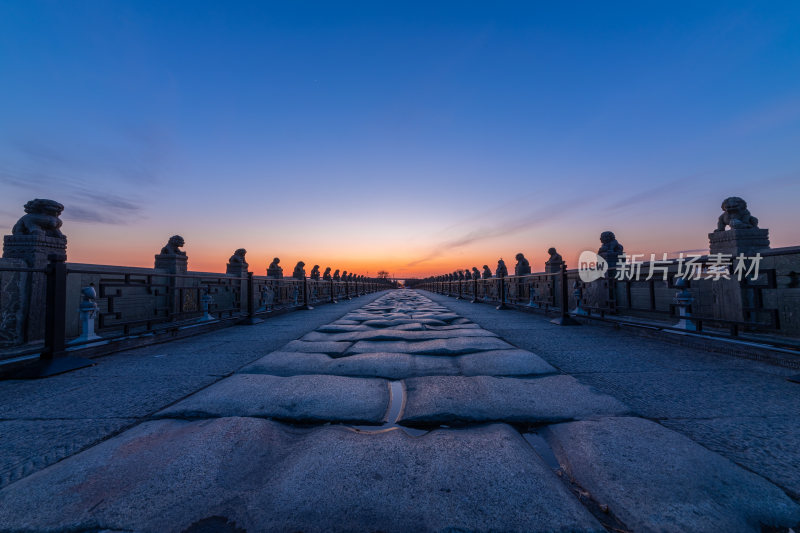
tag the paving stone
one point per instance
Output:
(395, 335)
(457, 399)
(444, 316)
(383, 365)
(704, 394)
(317, 347)
(387, 323)
(341, 328)
(454, 346)
(655, 479)
(166, 475)
(468, 325)
(766, 445)
(412, 326)
(30, 445)
(309, 398)
(504, 363)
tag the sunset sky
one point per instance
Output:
(416, 137)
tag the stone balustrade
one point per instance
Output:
(132, 302)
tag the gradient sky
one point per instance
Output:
(417, 137)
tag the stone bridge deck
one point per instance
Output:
(413, 412)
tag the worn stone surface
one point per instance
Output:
(397, 335)
(743, 409)
(337, 348)
(400, 365)
(45, 420)
(166, 475)
(680, 485)
(458, 399)
(767, 445)
(453, 346)
(333, 457)
(25, 442)
(298, 399)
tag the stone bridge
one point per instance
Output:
(405, 411)
(391, 409)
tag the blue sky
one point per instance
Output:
(418, 136)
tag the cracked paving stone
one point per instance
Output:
(165, 475)
(401, 365)
(382, 323)
(655, 479)
(396, 335)
(454, 346)
(307, 398)
(458, 399)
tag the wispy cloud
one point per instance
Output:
(543, 214)
(535, 217)
(96, 184)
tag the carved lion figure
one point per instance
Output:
(555, 257)
(475, 273)
(41, 218)
(336, 276)
(609, 244)
(314, 272)
(238, 257)
(522, 267)
(502, 269)
(487, 272)
(299, 271)
(735, 215)
(173, 246)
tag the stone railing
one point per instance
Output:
(741, 288)
(54, 308)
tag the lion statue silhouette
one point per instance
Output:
(735, 215)
(41, 219)
(173, 246)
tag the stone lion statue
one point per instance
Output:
(173, 246)
(502, 269)
(299, 271)
(327, 275)
(555, 257)
(336, 276)
(610, 249)
(238, 257)
(609, 244)
(41, 219)
(522, 267)
(314, 272)
(735, 215)
(487, 272)
(475, 273)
